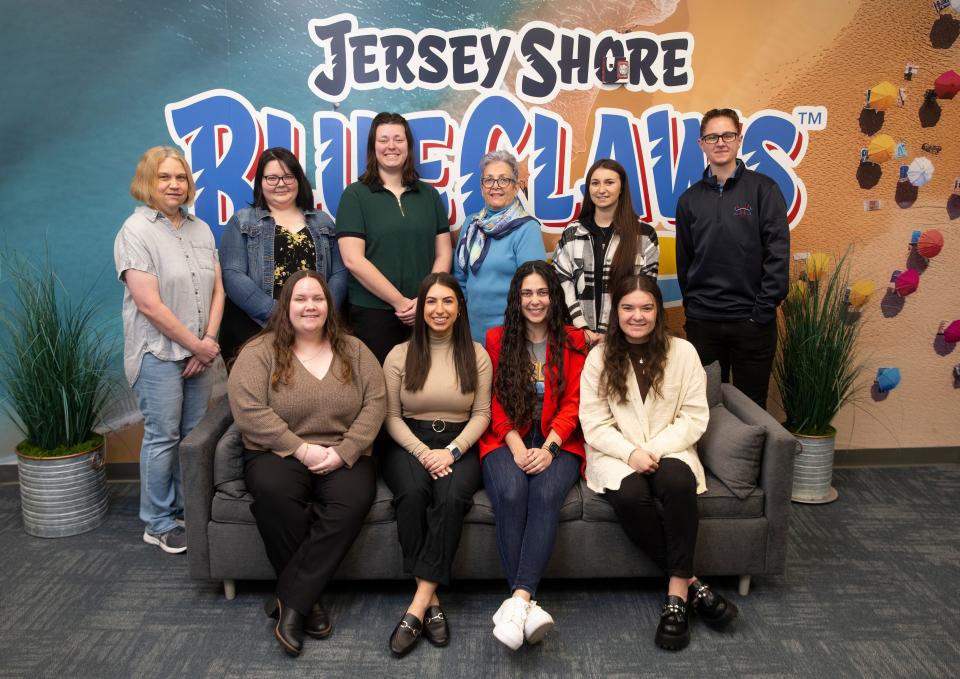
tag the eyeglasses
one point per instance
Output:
(714, 138)
(499, 182)
(273, 179)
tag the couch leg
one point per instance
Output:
(743, 588)
(230, 588)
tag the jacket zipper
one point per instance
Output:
(400, 205)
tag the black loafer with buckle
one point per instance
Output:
(673, 632)
(406, 634)
(711, 607)
(435, 628)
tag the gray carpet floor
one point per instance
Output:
(871, 590)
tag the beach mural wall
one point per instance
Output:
(849, 105)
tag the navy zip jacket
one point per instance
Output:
(733, 248)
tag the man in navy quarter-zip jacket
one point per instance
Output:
(733, 259)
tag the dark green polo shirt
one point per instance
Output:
(399, 234)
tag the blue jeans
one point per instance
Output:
(171, 407)
(527, 509)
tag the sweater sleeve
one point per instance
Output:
(567, 416)
(564, 266)
(480, 411)
(684, 246)
(600, 428)
(393, 377)
(248, 389)
(359, 437)
(529, 243)
(775, 236)
(691, 420)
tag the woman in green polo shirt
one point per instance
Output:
(392, 230)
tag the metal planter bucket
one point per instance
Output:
(62, 496)
(813, 470)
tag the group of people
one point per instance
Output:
(352, 348)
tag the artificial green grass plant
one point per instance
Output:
(55, 364)
(816, 364)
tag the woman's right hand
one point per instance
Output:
(643, 461)
(406, 310)
(206, 350)
(311, 455)
(593, 338)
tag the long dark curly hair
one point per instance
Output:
(512, 384)
(284, 335)
(616, 356)
(417, 366)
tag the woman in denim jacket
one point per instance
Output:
(280, 234)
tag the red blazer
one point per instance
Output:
(564, 420)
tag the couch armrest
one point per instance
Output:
(196, 471)
(776, 472)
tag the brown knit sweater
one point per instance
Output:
(326, 412)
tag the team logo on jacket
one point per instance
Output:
(743, 210)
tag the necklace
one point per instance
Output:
(307, 360)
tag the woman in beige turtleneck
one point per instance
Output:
(438, 405)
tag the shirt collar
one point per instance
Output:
(711, 178)
(153, 214)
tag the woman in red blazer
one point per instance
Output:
(532, 454)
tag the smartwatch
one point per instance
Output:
(554, 448)
(455, 451)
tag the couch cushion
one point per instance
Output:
(234, 508)
(228, 464)
(482, 510)
(717, 503)
(714, 395)
(731, 449)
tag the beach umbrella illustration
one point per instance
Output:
(952, 332)
(906, 282)
(816, 265)
(947, 84)
(881, 147)
(887, 378)
(920, 171)
(930, 243)
(860, 292)
(883, 96)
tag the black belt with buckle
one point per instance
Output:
(436, 426)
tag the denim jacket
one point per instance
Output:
(246, 258)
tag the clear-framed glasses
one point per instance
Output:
(714, 138)
(499, 182)
(273, 179)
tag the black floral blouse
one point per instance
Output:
(292, 252)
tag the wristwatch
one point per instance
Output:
(455, 451)
(554, 448)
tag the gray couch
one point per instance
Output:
(743, 527)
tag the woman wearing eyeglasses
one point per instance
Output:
(607, 243)
(494, 242)
(281, 233)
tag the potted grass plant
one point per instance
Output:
(55, 370)
(816, 368)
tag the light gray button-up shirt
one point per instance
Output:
(184, 261)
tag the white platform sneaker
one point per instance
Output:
(509, 621)
(538, 624)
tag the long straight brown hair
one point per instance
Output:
(616, 352)
(417, 366)
(284, 335)
(625, 220)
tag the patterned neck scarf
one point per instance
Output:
(474, 243)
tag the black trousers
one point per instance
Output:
(429, 512)
(308, 522)
(669, 537)
(379, 329)
(743, 346)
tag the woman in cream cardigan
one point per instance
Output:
(643, 407)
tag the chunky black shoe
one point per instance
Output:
(289, 629)
(406, 634)
(711, 607)
(673, 632)
(435, 628)
(318, 622)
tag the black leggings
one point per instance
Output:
(668, 536)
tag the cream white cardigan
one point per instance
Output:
(667, 426)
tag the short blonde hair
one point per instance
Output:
(144, 184)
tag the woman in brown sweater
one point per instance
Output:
(309, 400)
(438, 405)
